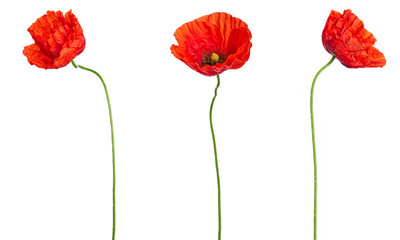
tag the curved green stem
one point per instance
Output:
(112, 137)
(313, 142)
(216, 160)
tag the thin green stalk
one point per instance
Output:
(313, 142)
(216, 161)
(112, 137)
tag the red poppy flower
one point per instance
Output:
(58, 40)
(345, 37)
(213, 44)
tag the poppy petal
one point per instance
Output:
(36, 57)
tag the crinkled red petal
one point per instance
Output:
(36, 57)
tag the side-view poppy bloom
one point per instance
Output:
(213, 44)
(58, 40)
(345, 37)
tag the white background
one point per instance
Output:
(55, 151)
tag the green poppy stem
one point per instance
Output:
(112, 137)
(313, 142)
(216, 160)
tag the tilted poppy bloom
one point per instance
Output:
(58, 40)
(213, 44)
(345, 37)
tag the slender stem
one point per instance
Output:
(313, 142)
(216, 161)
(112, 138)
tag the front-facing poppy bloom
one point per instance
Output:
(345, 37)
(213, 43)
(58, 40)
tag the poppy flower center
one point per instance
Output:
(213, 57)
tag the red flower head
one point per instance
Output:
(58, 40)
(345, 37)
(213, 44)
